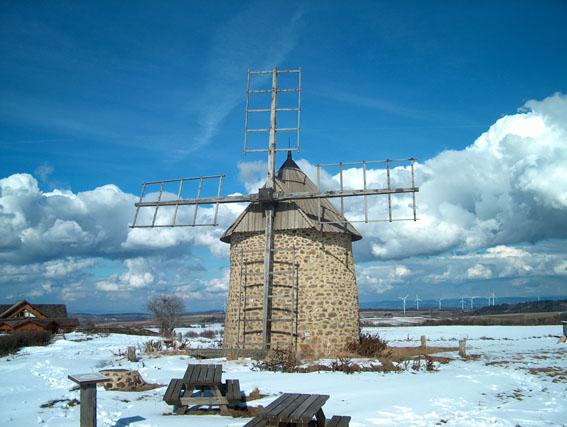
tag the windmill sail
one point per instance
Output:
(288, 203)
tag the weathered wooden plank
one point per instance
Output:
(202, 377)
(194, 374)
(176, 392)
(310, 410)
(218, 374)
(339, 421)
(233, 391)
(283, 402)
(169, 392)
(204, 401)
(188, 373)
(299, 412)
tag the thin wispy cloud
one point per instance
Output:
(369, 102)
(259, 38)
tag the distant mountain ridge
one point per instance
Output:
(452, 303)
(525, 307)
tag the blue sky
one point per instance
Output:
(97, 97)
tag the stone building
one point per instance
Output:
(314, 302)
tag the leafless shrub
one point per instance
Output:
(153, 346)
(416, 364)
(386, 365)
(166, 310)
(278, 360)
(429, 365)
(12, 343)
(369, 345)
(343, 364)
(208, 333)
(348, 367)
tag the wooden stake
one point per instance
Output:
(463, 348)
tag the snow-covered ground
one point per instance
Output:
(498, 389)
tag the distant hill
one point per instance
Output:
(524, 307)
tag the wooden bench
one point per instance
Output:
(206, 379)
(294, 409)
(338, 421)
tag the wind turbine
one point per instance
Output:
(404, 300)
(472, 302)
(417, 300)
(439, 303)
(463, 303)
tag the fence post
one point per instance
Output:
(463, 348)
(564, 328)
(87, 384)
(423, 341)
(131, 354)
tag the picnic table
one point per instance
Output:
(295, 409)
(206, 380)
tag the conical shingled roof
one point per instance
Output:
(294, 214)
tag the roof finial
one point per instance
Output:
(289, 155)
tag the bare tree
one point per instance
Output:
(166, 310)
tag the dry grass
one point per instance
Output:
(399, 354)
(556, 374)
(503, 363)
(68, 403)
(255, 395)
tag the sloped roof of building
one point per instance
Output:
(51, 311)
(294, 214)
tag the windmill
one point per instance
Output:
(439, 300)
(289, 202)
(417, 300)
(404, 301)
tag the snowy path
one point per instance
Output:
(496, 390)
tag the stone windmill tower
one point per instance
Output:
(314, 298)
(292, 277)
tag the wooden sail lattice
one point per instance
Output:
(155, 198)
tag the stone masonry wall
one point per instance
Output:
(326, 298)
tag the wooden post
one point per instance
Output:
(463, 348)
(87, 383)
(423, 341)
(564, 328)
(131, 354)
(88, 405)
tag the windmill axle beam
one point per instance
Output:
(278, 197)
